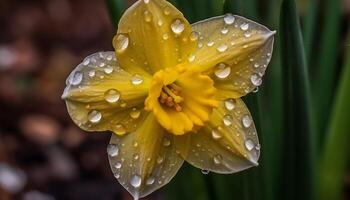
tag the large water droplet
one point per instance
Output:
(147, 16)
(112, 96)
(108, 69)
(94, 116)
(256, 79)
(244, 26)
(247, 121)
(76, 78)
(121, 42)
(112, 150)
(217, 159)
(249, 144)
(135, 113)
(178, 26)
(222, 48)
(222, 70)
(230, 104)
(229, 19)
(228, 120)
(136, 79)
(135, 181)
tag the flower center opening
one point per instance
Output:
(171, 97)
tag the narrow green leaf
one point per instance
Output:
(326, 66)
(246, 8)
(337, 152)
(298, 158)
(309, 27)
(115, 9)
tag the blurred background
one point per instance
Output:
(302, 122)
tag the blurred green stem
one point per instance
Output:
(115, 9)
(337, 151)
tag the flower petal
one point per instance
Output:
(144, 160)
(153, 35)
(101, 96)
(227, 144)
(234, 51)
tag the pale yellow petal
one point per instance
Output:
(144, 160)
(227, 144)
(153, 36)
(234, 51)
(101, 96)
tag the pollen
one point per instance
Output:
(171, 97)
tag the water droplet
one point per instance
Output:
(230, 104)
(112, 150)
(258, 147)
(224, 31)
(118, 165)
(256, 65)
(121, 43)
(210, 44)
(150, 181)
(222, 48)
(166, 10)
(194, 36)
(135, 113)
(108, 69)
(76, 78)
(216, 134)
(86, 62)
(109, 57)
(247, 35)
(256, 79)
(135, 181)
(147, 16)
(229, 19)
(92, 73)
(256, 90)
(166, 142)
(249, 144)
(247, 121)
(244, 26)
(178, 26)
(160, 160)
(112, 96)
(191, 58)
(119, 129)
(136, 79)
(160, 22)
(146, 1)
(205, 171)
(217, 159)
(135, 144)
(94, 116)
(222, 70)
(165, 36)
(136, 156)
(228, 120)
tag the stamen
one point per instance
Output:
(170, 96)
(176, 98)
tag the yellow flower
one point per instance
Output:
(171, 92)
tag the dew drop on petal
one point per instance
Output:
(136, 79)
(160, 160)
(224, 31)
(217, 159)
(191, 57)
(216, 134)
(256, 79)
(244, 26)
(230, 104)
(112, 150)
(222, 48)
(257, 147)
(222, 70)
(249, 144)
(228, 120)
(194, 36)
(150, 181)
(119, 129)
(112, 96)
(94, 116)
(210, 44)
(147, 16)
(122, 43)
(229, 19)
(146, 1)
(118, 165)
(135, 181)
(165, 36)
(205, 171)
(135, 113)
(76, 78)
(86, 62)
(177, 26)
(247, 121)
(108, 69)
(166, 11)
(92, 73)
(166, 142)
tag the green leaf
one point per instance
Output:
(246, 8)
(298, 147)
(326, 67)
(337, 152)
(310, 27)
(115, 9)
